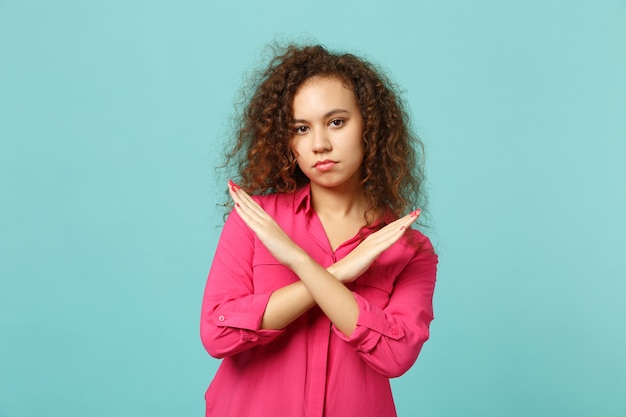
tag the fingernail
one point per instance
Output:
(415, 213)
(402, 227)
(233, 186)
(237, 204)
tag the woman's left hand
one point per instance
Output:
(267, 230)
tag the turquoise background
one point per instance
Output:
(113, 115)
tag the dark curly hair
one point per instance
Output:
(392, 176)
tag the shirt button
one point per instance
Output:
(395, 331)
(221, 318)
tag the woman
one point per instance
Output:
(320, 290)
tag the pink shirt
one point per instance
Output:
(310, 368)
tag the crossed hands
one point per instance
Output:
(286, 250)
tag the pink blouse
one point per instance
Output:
(309, 368)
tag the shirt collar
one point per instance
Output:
(302, 199)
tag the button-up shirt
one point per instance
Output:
(309, 368)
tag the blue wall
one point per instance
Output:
(113, 115)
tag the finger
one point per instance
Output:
(397, 225)
(247, 214)
(233, 193)
(242, 206)
(244, 199)
(412, 217)
(389, 234)
(248, 209)
(409, 219)
(241, 198)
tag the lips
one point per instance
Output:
(325, 165)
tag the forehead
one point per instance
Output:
(322, 92)
(321, 79)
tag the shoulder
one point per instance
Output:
(273, 199)
(279, 206)
(419, 240)
(412, 257)
(416, 247)
(272, 202)
(421, 248)
(282, 203)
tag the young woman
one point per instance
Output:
(320, 289)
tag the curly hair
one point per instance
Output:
(392, 169)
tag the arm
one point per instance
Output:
(286, 304)
(389, 339)
(231, 311)
(317, 285)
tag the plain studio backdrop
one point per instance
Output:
(114, 114)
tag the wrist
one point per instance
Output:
(297, 260)
(335, 270)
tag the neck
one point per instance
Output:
(338, 202)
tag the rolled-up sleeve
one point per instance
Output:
(389, 339)
(231, 311)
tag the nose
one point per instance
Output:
(321, 143)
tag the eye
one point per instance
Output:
(337, 122)
(300, 130)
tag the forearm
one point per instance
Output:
(336, 301)
(290, 302)
(285, 305)
(231, 325)
(389, 338)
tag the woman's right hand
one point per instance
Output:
(359, 260)
(281, 246)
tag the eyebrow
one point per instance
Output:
(327, 115)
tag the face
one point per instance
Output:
(327, 137)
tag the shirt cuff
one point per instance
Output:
(262, 337)
(372, 324)
(246, 313)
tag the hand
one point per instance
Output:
(356, 262)
(285, 250)
(316, 284)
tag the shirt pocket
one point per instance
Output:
(376, 286)
(269, 275)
